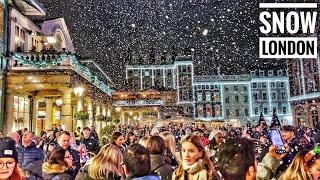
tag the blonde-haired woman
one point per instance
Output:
(298, 169)
(195, 162)
(143, 141)
(170, 143)
(104, 166)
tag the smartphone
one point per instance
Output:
(276, 140)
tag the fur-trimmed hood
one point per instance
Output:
(56, 171)
(53, 168)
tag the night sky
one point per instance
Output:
(222, 32)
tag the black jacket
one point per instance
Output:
(92, 144)
(160, 167)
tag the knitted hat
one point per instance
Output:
(214, 133)
(8, 148)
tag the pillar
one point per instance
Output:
(140, 116)
(104, 109)
(90, 112)
(98, 113)
(12, 37)
(34, 111)
(9, 124)
(49, 114)
(122, 118)
(66, 110)
(80, 102)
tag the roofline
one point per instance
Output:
(100, 69)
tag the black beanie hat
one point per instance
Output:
(8, 148)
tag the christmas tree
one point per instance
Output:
(275, 120)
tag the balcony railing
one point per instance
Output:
(37, 61)
(139, 103)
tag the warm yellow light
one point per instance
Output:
(59, 102)
(130, 113)
(51, 40)
(118, 109)
(78, 91)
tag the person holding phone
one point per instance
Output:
(289, 139)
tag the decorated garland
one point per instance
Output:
(40, 61)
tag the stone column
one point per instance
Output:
(90, 112)
(104, 109)
(34, 120)
(12, 37)
(49, 114)
(80, 102)
(98, 113)
(140, 116)
(9, 124)
(66, 110)
(122, 118)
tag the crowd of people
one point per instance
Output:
(178, 152)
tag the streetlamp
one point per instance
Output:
(78, 91)
(59, 102)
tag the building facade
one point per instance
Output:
(304, 79)
(144, 106)
(269, 92)
(46, 84)
(4, 11)
(177, 76)
(240, 99)
(222, 97)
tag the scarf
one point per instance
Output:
(197, 169)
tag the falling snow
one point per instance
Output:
(221, 33)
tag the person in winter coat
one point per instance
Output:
(30, 157)
(170, 153)
(64, 141)
(92, 145)
(270, 162)
(9, 160)
(105, 166)
(157, 148)
(195, 162)
(58, 166)
(137, 163)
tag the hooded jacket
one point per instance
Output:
(56, 172)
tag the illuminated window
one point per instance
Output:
(208, 96)
(20, 109)
(199, 97)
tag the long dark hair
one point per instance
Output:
(57, 157)
(114, 137)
